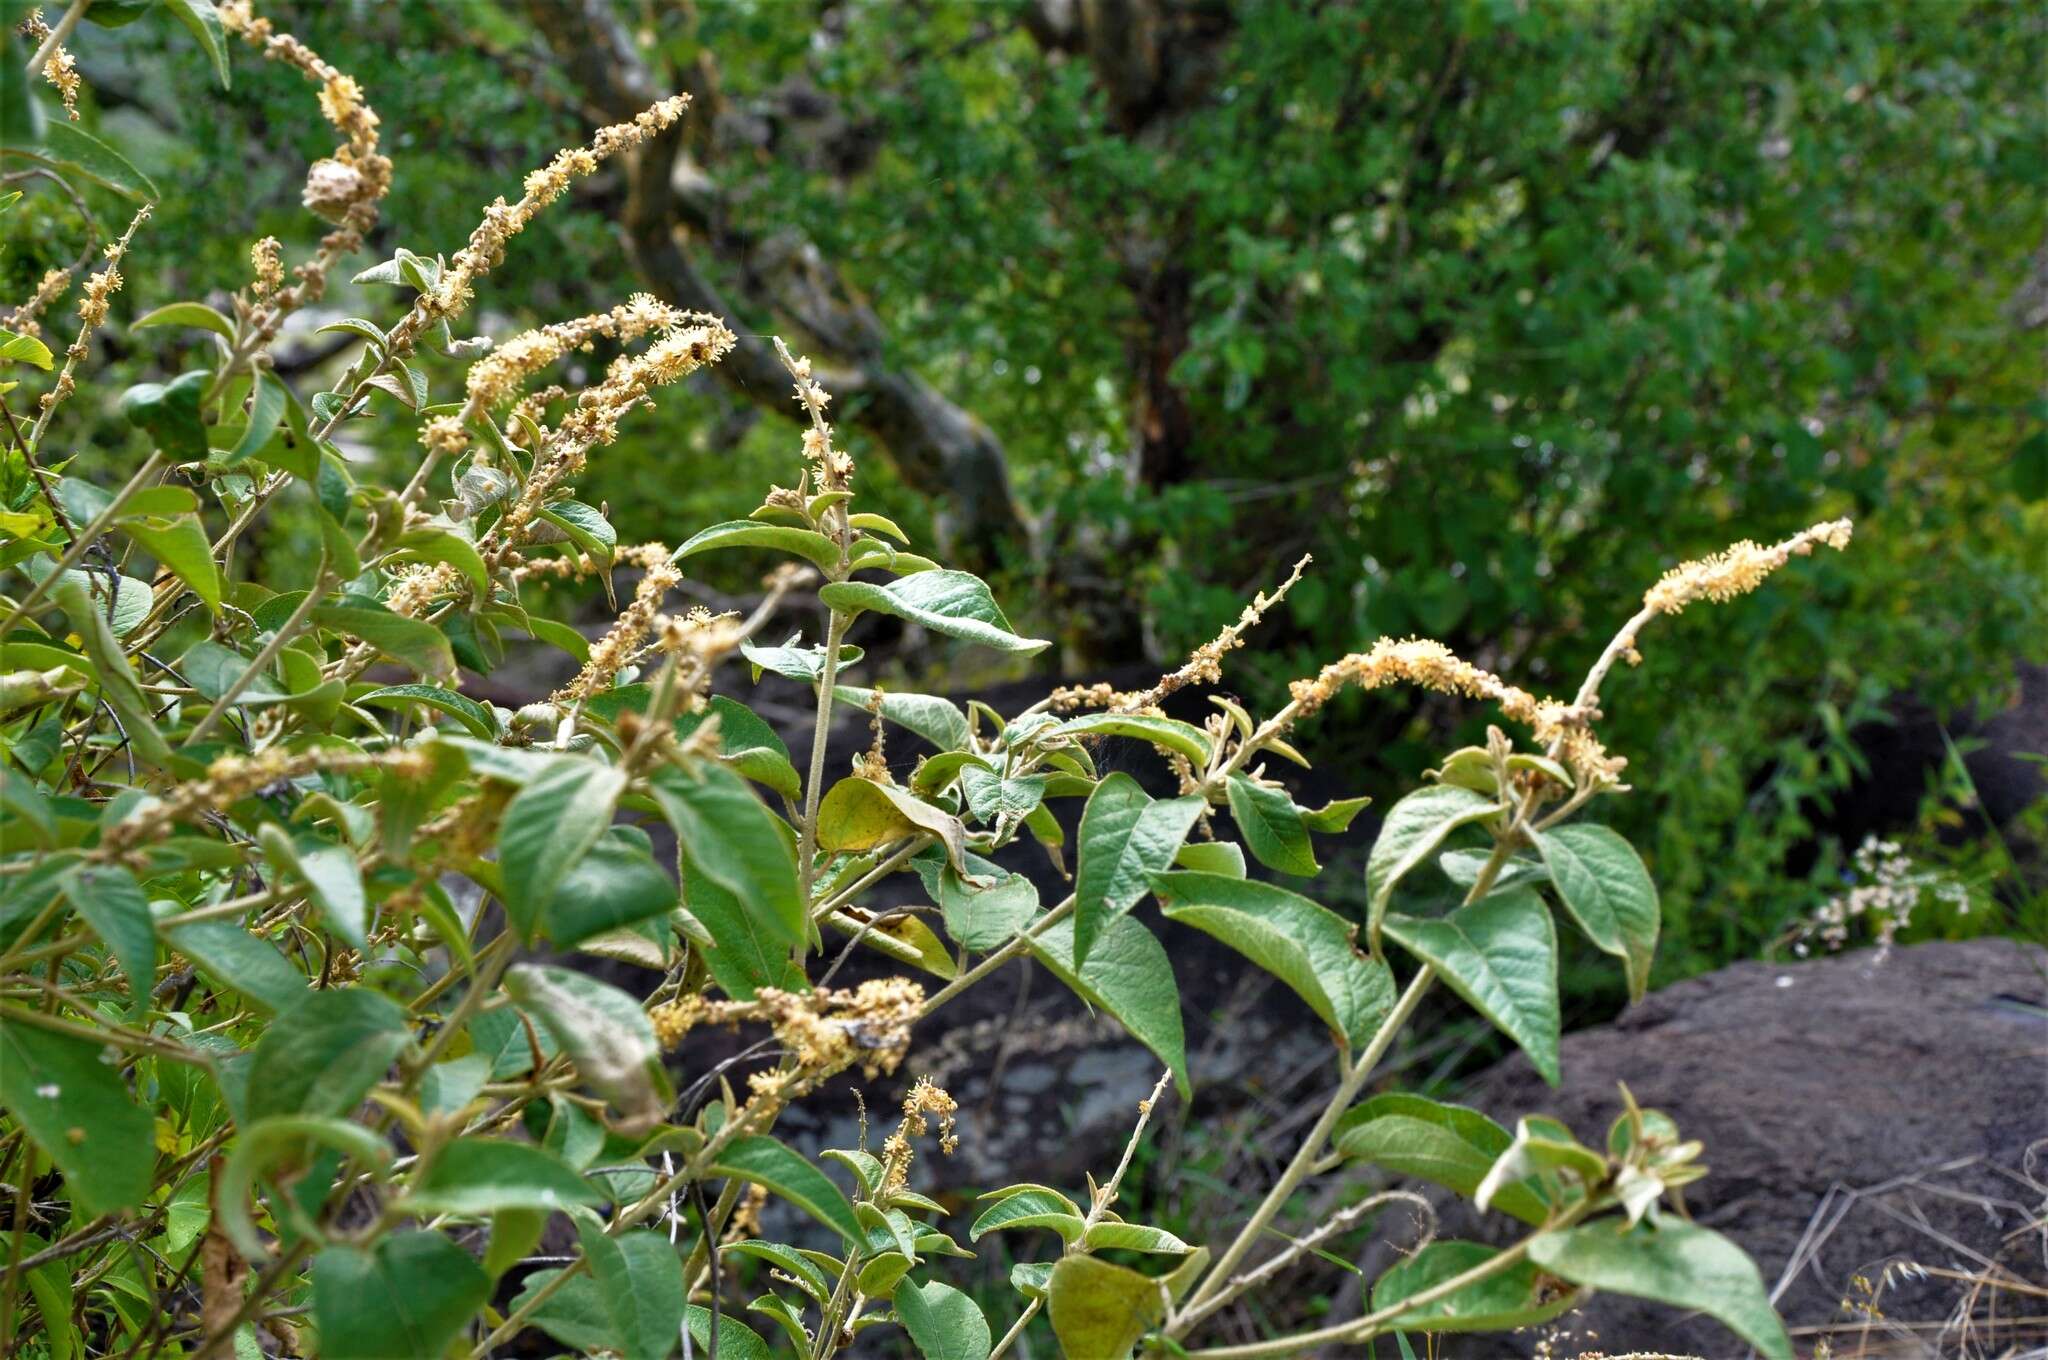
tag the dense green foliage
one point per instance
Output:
(1440, 293)
(292, 1055)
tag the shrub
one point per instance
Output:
(279, 1054)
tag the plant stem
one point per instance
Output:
(1312, 1145)
(1373, 1324)
(84, 541)
(1017, 1328)
(807, 838)
(15, 1253)
(285, 632)
(873, 876)
(1017, 945)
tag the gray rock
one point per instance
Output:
(1863, 1118)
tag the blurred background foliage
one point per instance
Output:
(1497, 307)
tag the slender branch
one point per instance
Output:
(807, 839)
(1106, 1196)
(1375, 1323)
(1298, 1247)
(285, 633)
(58, 33)
(1019, 942)
(1017, 1328)
(1311, 1147)
(84, 541)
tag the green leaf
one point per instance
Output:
(746, 954)
(1125, 836)
(452, 1083)
(943, 1323)
(1135, 1237)
(233, 958)
(472, 715)
(805, 664)
(1603, 884)
(1168, 734)
(736, 1340)
(880, 524)
(1272, 827)
(180, 546)
(169, 414)
(747, 744)
(213, 670)
(330, 874)
(79, 1112)
(1449, 1145)
(1541, 1145)
(586, 527)
(204, 21)
(814, 547)
(1334, 816)
(117, 682)
(68, 147)
(2029, 466)
(576, 1314)
(411, 1294)
(768, 1163)
(1677, 1263)
(1414, 828)
(1212, 857)
(954, 603)
(1463, 868)
(113, 904)
(994, 799)
(640, 1278)
(1512, 1298)
(1030, 1207)
(1305, 945)
(24, 349)
(196, 314)
(616, 884)
(1127, 974)
(322, 1056)
(983, 917)
(860, 814)
(132, 598)
(938, 721)
(478, 1177)
(791, 1262)
(1500, 955)
(437, 540)
(604, 1032)
(409, 642)
(549, 826)
(1100, 1310)
(729, 836)
(514, 1235)
(1030, 1278)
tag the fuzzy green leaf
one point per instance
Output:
(1414, 828)
(1500, 955)
(78, 1110)
(1128, 975)
(1602, 882)
(1305, 945)
(1125, 836)
(1677, 1263)
(768, 1163)
(943, 1323)
(410, 1295)
(1272, 827)
(954, 603)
